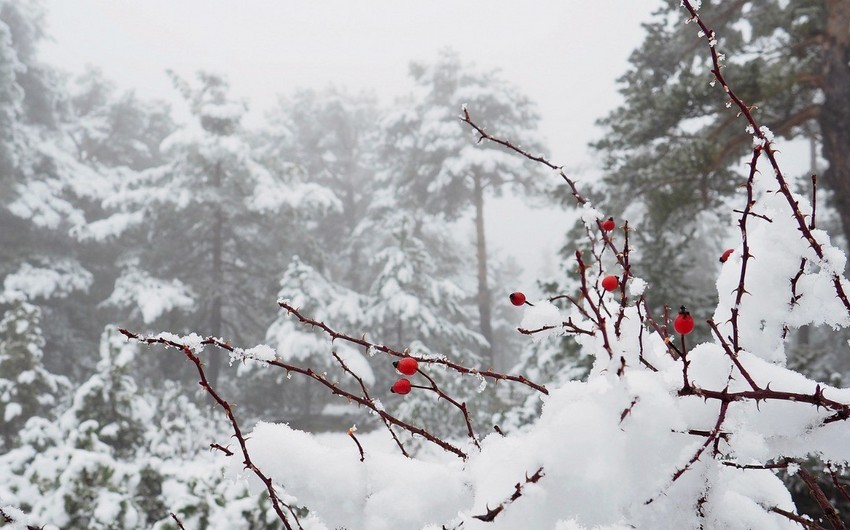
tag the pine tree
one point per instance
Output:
(218, 208)
(27, 389)
(434, 163)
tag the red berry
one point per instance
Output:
(407, 366)
(684, 322)
(610, 283)
(609, 224)
(517, 298)
(726, 255)
(402, 386)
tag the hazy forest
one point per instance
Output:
(301, 324)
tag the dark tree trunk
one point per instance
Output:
(483, 285)
(834, 118)
(217, 277)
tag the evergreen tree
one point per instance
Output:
(214, 205)
(328, 138)
(434, 163)
(27, 389)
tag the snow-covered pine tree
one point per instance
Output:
(433, 166)
(27, 389)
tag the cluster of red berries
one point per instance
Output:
(406, 366)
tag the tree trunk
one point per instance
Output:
(217, 277)
(834, 118)
(483, 285)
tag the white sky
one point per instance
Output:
(564, 54)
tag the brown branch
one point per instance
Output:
(820, 497)
(732, 355)
(769, 152)
(838, 485)
(808, 523)
(370, 400)
(356, 441)
(483, 135)
(460, 406)
(599, 320)
(277, 503)
(334, 335)
(225, 450)
(178, 521)
(492, 513)
(721, 416)
(335, 389)
(814, 201)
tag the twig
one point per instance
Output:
(492, 513)
(732, 355)
(369, 398)
(356, 441)
(808, 523)
(820, 497)
(225, 450)
(759, 133)
(277, 503)
(178, 521)
(395, 353)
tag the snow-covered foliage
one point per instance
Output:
(26, 388)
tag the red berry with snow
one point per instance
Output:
(609, 224)
(610, 283)
(726, 255)
(684, 322)
(407, 366)
(517, 298)
(402, 386)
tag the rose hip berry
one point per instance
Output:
(609, 224)
(402, 386)
(684, 322)
(407, 366)
(610, 283)
(726, 255)
(517, 298)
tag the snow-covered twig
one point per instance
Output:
(277, 503)
(7, 518)
(759, 133)
(365, 391)
(333, 334)
(492, 513)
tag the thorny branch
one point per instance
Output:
(320, 378)
(492, 513)
(334, 335)
(6, 518)
(277, 503)
(758, 132)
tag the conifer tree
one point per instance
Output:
(27, 389)
(433, 166)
